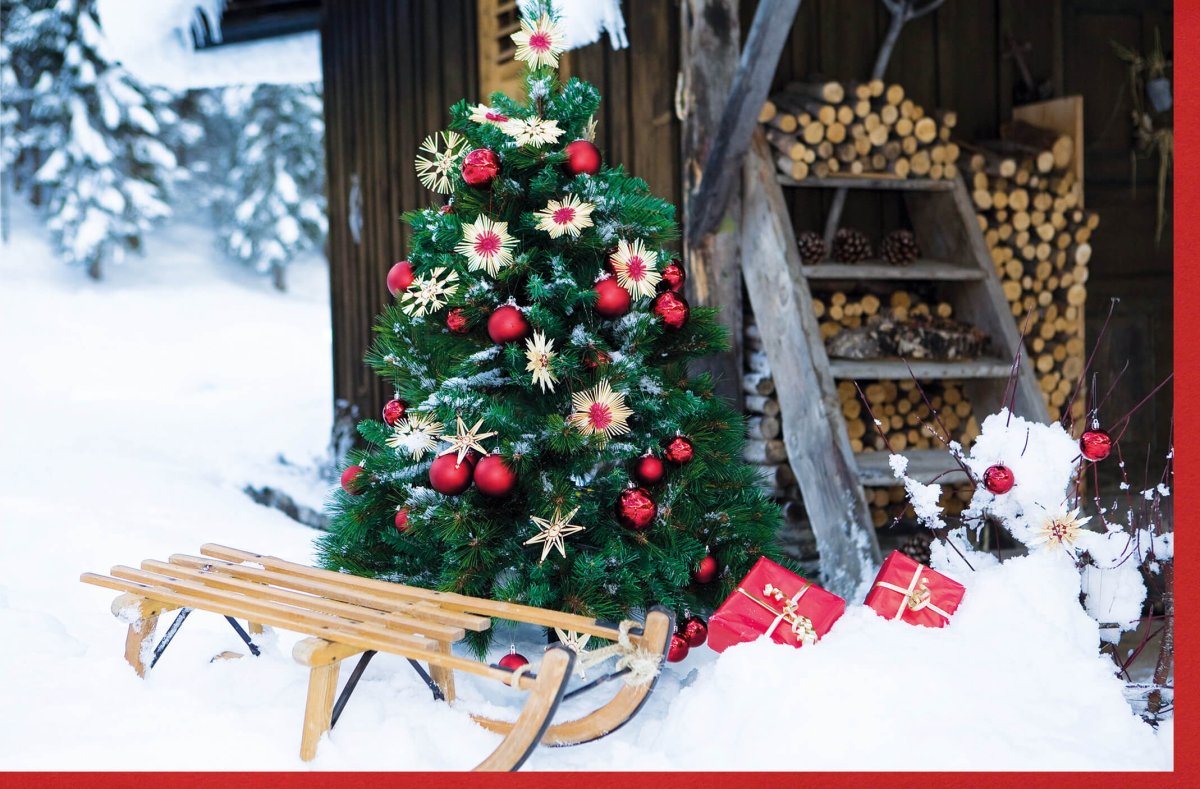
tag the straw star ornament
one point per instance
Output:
(487, 245)
(417, 434)
(483, 114)
(636, 268)
(569, 215)
(600, 411)
(532, 131)
(429, 294)
(435, 167)
(464, 440)
(540, 353)
(1062, 530)
(552, 532)
(539, 43)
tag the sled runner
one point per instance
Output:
(346, 615)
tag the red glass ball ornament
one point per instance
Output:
(480, 166)
(679, 649)
(998, 479)
(399, 277)
(456, 321)
(671, 308)
(678, 450)
(402, 520)
(583, 158)
(394, 411)
(673, 278)
(649, 470)
(636, 508)
(694, 630)
(493, 477)
(595, 358)
(706, 571)
(449, 477)
(352, 480)
(513, 661)
(1095, 444)
(448, 208)
(507, 324)
(612, 301)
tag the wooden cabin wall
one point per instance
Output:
(954, 58)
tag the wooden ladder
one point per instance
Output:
(830, 475)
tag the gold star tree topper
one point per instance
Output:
(465, 440)
(552, 532)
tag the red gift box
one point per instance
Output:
(774, 602)
(913, 593)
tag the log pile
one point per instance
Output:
(1030, 208)
(888, 503)
(904, 416)
(821, 129)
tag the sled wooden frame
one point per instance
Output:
(346, 615)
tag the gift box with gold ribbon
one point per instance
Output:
(774, 602)
(913, 593)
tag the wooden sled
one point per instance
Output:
(346, 615)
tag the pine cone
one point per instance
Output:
(812, 248)
(916, 547)
(851, 246)
(900, 248)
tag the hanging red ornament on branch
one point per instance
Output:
(1095, 444)
(679, 450)
(353, 481)
(399, 277)
(583, 158)
(998, 479)
(507, 324)
(694, 630)
(612, 301)
(706, 571)
(649, 470)
(456, 321)
(449, 477)
(671, 308)
(595, 358)
(636, 508)
(672, 278)
(480, 167)
(394, 410)
(679, 649)
(513, 660)
(493, 476)
(401, 520)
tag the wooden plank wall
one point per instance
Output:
(954, 58)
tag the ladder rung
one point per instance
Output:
(874, 468)
(876, 181)
(895, 369)
(919, 270)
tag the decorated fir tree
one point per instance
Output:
(545, 444)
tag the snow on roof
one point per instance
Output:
(153, 39)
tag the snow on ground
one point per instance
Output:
(133, 412)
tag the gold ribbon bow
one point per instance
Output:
(801, 626)
(916, 597)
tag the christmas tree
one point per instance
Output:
(545, 444)
(274, 208)
(96, 131)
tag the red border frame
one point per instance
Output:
(1187, 493)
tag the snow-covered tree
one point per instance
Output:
(96, 131)
(273, 204)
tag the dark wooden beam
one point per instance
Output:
(760, 57)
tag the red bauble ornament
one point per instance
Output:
(595, 358)
(402, 520)
(394, 411)
(493, 476)
(706, 571)
(635, 508)
(679, 649)
(480, 166)
(583, 158)
(513, 660)
(672, 308)
(612, 300)
(998, 479)
(456, 321)
(649, 470)
(352, 481)
(399, 277)
(679, 450)
(507, 324)
(448, 208)
(1095, 444)
(673, 278)
(694, 630)
(448, 476)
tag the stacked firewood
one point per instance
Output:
(887, 504)
(904, 415)
(1030, 207)
(821, 129)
